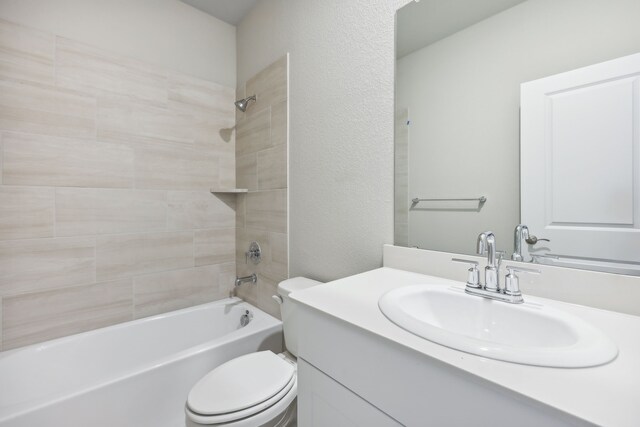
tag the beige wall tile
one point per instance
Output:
(63, 162)
(28, 265)
(272, 168)
(253, 133)
(199, 209)
(195, 93)
(90, 211)
(175, 168)
(279, 124)
(26, 212)
(26, 107)
(279, 262)
(172, 290)
(116, 136)
(248, 292)
(247, 171)
(132, 254)
(241, 203)
(226, 279)
(227, 168)
(215, 246)
(267, 210)
(91, 70)
(41, 316)
(122, 119)
(26, 54)
(209, 129)
(269, 85)
(266, 289)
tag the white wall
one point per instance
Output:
(341, 125)
(166, 33)
(463, 95)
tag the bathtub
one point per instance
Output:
(135, 374)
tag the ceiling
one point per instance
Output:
(427, 21)
(230, 11)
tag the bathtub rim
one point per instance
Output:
(264, 320)
(60, 340)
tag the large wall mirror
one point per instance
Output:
(516, 112)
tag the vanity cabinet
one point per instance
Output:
(324, 402)
(349, 376)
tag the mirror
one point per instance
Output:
(467, 161)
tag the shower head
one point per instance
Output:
(243, 103)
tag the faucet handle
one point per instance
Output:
(466, 261)
(535, 258)
(517, 269)
(532, 240)
(512, 282)
(473, 275)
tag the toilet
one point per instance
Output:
(257, 389)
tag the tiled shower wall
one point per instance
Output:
(261, 159)
(106, 165)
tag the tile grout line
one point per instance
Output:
(55, 212)
(2, 136)
(1, 323)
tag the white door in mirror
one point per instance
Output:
(580, 168)
(529, 333)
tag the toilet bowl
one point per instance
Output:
(257, 389)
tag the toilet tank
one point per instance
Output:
(288, 310)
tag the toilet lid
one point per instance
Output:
(240, 383)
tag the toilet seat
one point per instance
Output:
(251, 387)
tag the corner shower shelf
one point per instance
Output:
(229, 190)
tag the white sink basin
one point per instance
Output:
(529, 333)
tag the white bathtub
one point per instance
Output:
(135, 374)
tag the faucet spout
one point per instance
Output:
(487, 244)
(520, 233)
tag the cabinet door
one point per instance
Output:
(580, 161)
(324, 402)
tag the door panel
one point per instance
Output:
(580, 163)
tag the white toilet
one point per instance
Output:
(257, 389)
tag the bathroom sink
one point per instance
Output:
(529, 333)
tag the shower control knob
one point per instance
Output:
(254, 253)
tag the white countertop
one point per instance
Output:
(607, 395)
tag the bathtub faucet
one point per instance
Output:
(240, 280)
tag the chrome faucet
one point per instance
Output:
(519, 234)
(487, 244)
(491, 288)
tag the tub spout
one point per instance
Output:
(240, 280)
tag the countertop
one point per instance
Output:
(607, 395)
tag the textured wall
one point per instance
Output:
(105, 209)
(261, 159)
(166, 33)
(341, 125)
